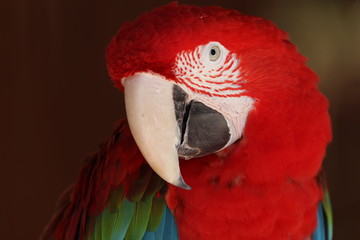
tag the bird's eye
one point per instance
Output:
(214, 53)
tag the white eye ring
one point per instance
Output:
(214, 53)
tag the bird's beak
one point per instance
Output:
(151, 115)
(167, 124)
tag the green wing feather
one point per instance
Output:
(117, 196)
(123, 218)
(139, 220)
(328, 211)
(130, 213)
(157, 210)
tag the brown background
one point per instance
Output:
(57, 102)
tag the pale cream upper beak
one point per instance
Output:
(151, 115)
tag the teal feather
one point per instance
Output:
(123, 220)
(320, 233)
(159, 232)
(324, 229)
(150, 236)
(170, 229)
(166, 230)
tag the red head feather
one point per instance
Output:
(266, 184)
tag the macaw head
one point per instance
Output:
(198, 80)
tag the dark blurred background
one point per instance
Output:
(57, 102)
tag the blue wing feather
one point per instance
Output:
(170, 229)
(320, 231)
(324, 229)
(149, 236)
(167, 229)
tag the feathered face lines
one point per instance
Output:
(180, 68)
(200, 111)
(210, 69)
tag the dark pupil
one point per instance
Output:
(213, 52)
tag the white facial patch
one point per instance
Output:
(211, 74)
(220, 77)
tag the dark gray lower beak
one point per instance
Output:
(203, 130)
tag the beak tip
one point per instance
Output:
(181, 183)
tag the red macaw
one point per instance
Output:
(224, 138)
